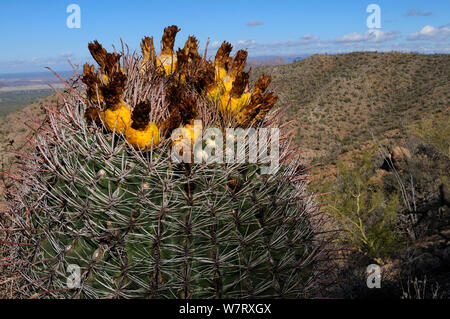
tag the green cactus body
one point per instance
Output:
(153, 228)
(139, 225)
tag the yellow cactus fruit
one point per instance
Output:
(214, 93)
(239, 62)
(118, 118)
(221, 73)
(235, 97)
(222, 61)
(143, 139)
(167, 62)
(221, 84)
(233, 105)
(240, 103)
(224, 102)
(168, 59)
(142, 133)
(221, 66)
(148, 54)
(227, 83)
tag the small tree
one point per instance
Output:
(367, 215)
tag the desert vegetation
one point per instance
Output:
(374, 127)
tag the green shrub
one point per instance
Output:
(367, 215)
(435, 134)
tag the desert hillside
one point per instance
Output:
(339, 100)
(16, 128)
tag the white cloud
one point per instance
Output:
(66, 54)
(214, 45)
(309, 38)
(381, 36)
(429, 32)
(414, 12)
(247, 44)
(372, 40)
(352, 37)
(254, 23)
(304, 40)
(372, 36)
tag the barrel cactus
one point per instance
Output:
(111, 191)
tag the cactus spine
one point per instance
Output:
(101, 191)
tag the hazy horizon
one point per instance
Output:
(44, 33)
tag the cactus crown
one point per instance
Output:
(194, 87)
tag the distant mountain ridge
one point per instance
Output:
(263, 61)
(31, 81)
(269, 60)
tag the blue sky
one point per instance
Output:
(34, 34)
